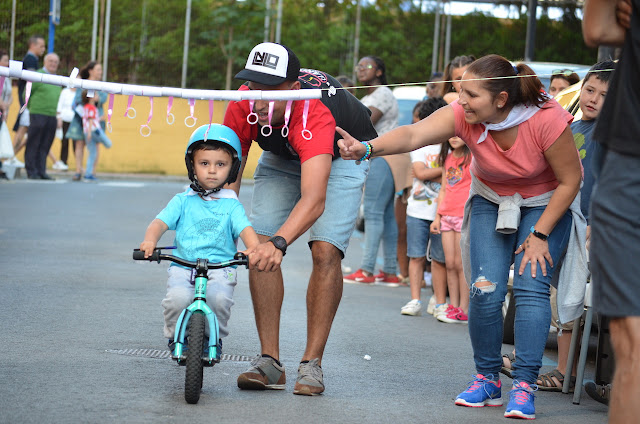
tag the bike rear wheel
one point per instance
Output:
(194, 373)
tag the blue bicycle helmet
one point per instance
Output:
(214, 134)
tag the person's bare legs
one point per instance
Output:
(79, 153)
(439, 281)
(416, 274)
(323, 297)
(400, 209)
(449, 247)
(463, 288)
(20, 139)
(625, 337)
(267, 292)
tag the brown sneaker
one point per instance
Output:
(264, 373)
(309, 382)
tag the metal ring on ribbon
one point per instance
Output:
(268, 126)
(129, 108)
(192, 105)
(187, 119)
(110, 112)
(169, 114)
(305, 115)
(252, 113)
(287, 115)
(142, 127)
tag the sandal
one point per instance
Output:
(553, 381)
(507, 366)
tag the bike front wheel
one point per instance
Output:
(194, 374)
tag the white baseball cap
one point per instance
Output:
(270, 64)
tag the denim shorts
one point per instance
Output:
(420, 241)
(277, 191)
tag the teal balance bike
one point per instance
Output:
(191, 347)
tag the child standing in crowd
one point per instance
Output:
(207, 220)
(421, 211)
(455, 159)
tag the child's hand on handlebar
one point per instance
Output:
(147, 247)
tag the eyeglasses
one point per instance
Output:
(564, 72)
(362, 67)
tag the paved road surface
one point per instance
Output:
(73, 304)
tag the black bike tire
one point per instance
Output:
(194, 373)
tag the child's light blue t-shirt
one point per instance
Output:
(205, 228)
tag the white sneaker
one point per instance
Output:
(432, 305)
(412, 308)
(15, 162)
(441, 310)
(60, 166)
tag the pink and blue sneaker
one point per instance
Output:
(521, 401)
(481, 392)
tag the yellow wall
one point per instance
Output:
(160, 153)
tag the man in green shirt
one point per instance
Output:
(42, 129)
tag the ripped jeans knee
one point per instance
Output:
(482, 286)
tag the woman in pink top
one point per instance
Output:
(455, 159)
(522, 209)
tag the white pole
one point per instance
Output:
(94, 32)
(356, 41)
(185, 46)
(12, 43)
(267, 21)
(447, 41)
(436, 40)
(107, 27)
(279, 22)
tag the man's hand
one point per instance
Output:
(350, 148)
(264, 257)
(623, 13)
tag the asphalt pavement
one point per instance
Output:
(82, 328)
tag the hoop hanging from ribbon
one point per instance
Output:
(143, 126)
(129, 108)
(110, 112)
(192, 105)
(305, 115)
(206, 133)
(169, 114)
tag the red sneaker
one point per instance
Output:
(388, 280)
(359, 277)
(455, 316)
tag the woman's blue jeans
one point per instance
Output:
(491, 256)
(379, 216)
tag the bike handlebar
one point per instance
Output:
(238, 259)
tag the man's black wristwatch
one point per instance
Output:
(541, 236)
(280, 243)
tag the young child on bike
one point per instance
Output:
(207, 220)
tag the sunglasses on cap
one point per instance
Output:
(564, 72)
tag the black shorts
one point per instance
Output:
(615, 237)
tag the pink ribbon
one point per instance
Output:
(287, 115)
(148, 120)
(110, 112)
(169, 114)
(305, 115)
(192, 105)
(129, 108)
(206, 133)
(26, 96)
(252, 113)
(1, 89)
(268, 127)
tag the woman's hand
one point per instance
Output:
(350, 148)
(535, 251)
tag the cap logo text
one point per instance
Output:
(266, 59)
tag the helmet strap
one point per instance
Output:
(195, 186)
